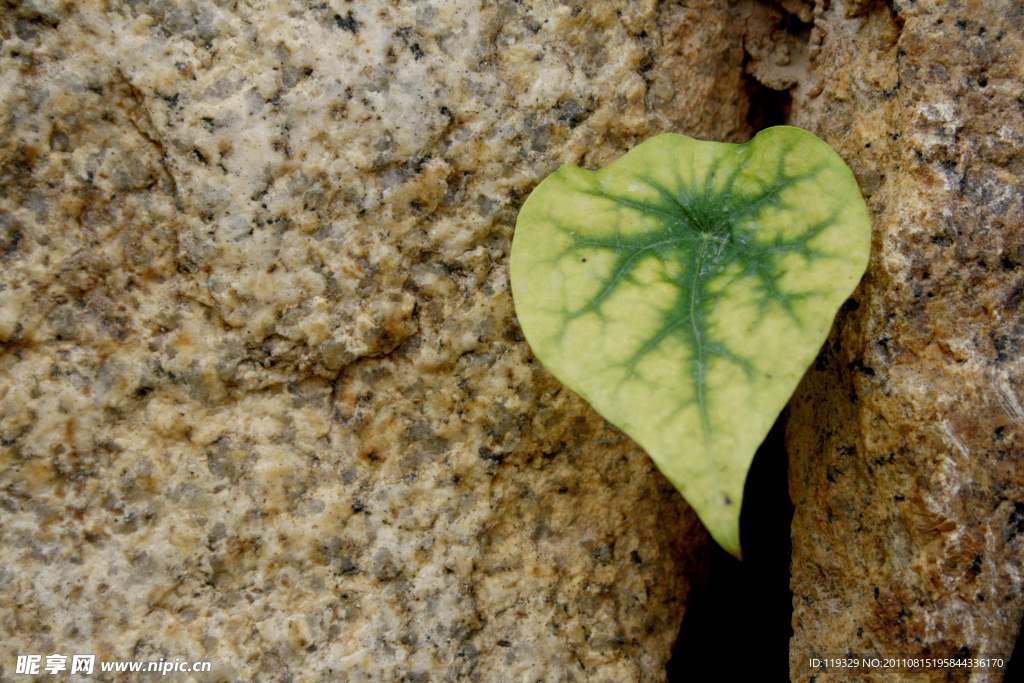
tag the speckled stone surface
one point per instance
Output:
(263, 398)
(907, 459)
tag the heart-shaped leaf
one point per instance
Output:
(684, 290)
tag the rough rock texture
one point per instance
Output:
(263, 398)
(906, 443)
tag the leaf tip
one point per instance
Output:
(729, 541)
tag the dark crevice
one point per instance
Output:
(767, 107)
(1015, 667)
(790, 31)
(748, 602)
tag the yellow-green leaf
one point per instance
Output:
(685, 289)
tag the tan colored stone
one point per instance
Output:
(263, 398)
(907, 468)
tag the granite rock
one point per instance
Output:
(905, 440)
(263, 398)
